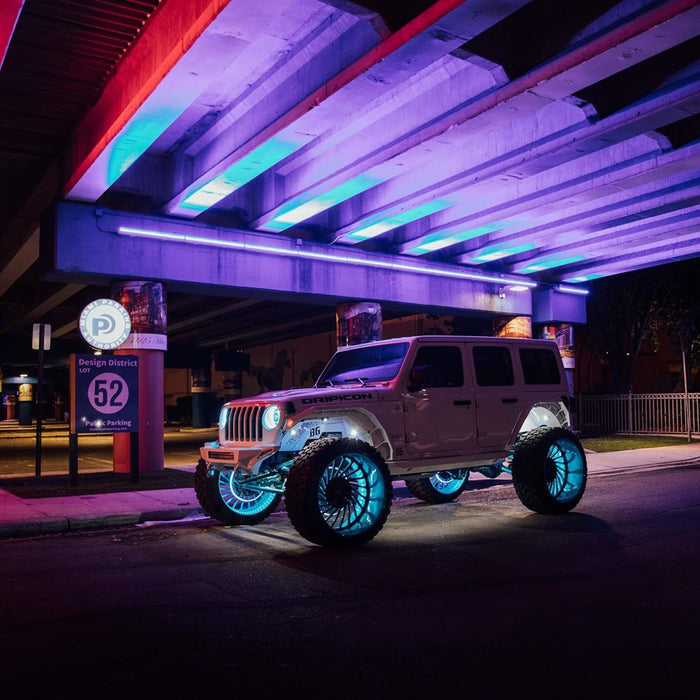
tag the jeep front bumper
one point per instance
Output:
(234, 457)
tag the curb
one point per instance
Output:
(651, 466)
(57, 526)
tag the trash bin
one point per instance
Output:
(10, 403)
(59, 407)
(26, 398)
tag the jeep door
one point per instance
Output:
(438, 403)
(499, 400)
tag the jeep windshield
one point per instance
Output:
(377, 363)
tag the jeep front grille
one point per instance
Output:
(244, 424)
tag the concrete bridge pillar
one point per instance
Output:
(358, 322)
(146, 304)
(202, 396)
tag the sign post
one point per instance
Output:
(41, 340)
(104, 399)
(107, 401)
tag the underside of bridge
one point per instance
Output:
(266, 160)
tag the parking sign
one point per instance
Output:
(106, 393)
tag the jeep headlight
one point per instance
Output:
(223, 418)
(271, 417)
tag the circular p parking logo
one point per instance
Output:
(105, 324)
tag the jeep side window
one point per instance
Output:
(437, 366)
(493, 366)
(539, 366)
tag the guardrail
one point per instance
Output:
(640, 414)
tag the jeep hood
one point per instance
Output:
(321, 395)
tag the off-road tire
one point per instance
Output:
(549, 470)
(426, 488)
(338, 492)
(208, 490)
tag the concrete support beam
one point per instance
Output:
(171, 32)
(553, 306)
(89, 244)
(51, 302)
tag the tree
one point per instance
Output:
(625, 311)
(681, 315)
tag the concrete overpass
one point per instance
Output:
(465, 157)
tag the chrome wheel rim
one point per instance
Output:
(240, 499)
(449, 482)
(351, 494)
(564, 470)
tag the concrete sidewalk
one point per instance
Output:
(38, 516)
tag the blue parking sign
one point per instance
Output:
(106, 393)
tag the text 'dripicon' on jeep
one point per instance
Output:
(426, 410)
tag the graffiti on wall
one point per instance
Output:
(271, 378)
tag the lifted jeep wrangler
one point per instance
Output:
(426, 410)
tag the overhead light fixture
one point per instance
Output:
(498, 252)
(443, 239)
(306, 253)
(200, 198)
(375, 227)
(582, 278)
(301, 208)
(548, 262)
(571, 290)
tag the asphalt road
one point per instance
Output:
(18, 454)
(477, 598)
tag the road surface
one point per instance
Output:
(476, 598)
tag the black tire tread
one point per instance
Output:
(300, 493)
(207, 491)
(528, 459)
(425, 491)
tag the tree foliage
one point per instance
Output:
(626, 311)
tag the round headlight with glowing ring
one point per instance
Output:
(271, 417)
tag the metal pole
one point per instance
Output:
(134, 457)
(629, 411)
(685, 388)
(39, 399)
(73, 459)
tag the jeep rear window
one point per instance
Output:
(493, 366)
(539, 366)
(377, 363)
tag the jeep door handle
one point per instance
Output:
(509, 400)
(465, 402)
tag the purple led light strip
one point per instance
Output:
(366, 262)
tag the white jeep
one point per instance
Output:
(426, 410)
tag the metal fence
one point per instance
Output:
(639, 414)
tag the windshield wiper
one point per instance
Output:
(325, 382)
(361, 380)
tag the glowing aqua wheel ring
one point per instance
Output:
(449, 482)
(351, 494)
(241, 499)
(565, 471)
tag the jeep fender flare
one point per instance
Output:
(546, 414)
(356, 423)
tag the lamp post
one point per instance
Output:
(684, 334)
